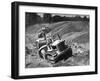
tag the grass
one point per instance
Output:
(75, 31)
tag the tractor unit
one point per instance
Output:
(52, 50)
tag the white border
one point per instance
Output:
(51, 70)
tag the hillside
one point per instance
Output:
(70, 31)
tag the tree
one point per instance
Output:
(57, 18)
(30, 19)
(47, 18)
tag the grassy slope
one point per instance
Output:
(62, 28)
(74, 30)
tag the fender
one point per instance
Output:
(39, 51)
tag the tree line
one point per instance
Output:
(34, 18)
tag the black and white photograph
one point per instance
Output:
(50, 40)
(54, 40)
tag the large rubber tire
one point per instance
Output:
(40, 53)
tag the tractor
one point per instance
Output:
(52, 50)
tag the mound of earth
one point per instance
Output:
(74, 31)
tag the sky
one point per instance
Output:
(67, 15)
